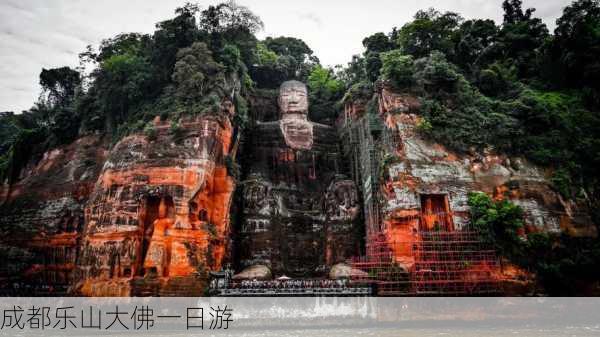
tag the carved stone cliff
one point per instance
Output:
(159, 210)
(155, 213)
(299, 211)
(42, 216)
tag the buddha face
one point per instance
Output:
(293, 99)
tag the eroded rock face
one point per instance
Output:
(160, 208)
(299, 212)
(426, 185)
(42, 216)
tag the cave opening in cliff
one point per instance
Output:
(203, 215)
(435, 213)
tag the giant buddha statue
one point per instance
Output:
(295, 127)
(299, 210)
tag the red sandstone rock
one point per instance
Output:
(160, 208)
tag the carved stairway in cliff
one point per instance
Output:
(442, 263)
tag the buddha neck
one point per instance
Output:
(294, 116)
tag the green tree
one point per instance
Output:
(575, 48)
(299, 57)
(121, 82)
(471, 40)
(229, 16)
(170, 36)
(280, 59)
(230, 23)
(324, 90)
(375, 45)
(372, 64)
(498, 222)
(520, 39)
(354, 72)
(231, 58)
(59, 85)
(430, 30)
(129, 43)
(323, 82)
(196, 75)
(378, 42)
(398, 68)
(498, 80)
(290, 46)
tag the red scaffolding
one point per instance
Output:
(382, 270)
(434, 263)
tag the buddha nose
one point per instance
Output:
(294, 97)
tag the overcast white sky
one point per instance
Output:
(51, 33)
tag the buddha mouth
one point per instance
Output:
(294, 106)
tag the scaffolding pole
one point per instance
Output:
(438, 263)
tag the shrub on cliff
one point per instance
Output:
(176, 132)
(558, 260)
(151, 132)
(498, 222)
(359, 92)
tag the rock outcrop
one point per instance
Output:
(422, 177)
(160, 208)
(42, 217)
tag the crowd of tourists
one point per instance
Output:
(290, 284)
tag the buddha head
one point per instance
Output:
(293, 100)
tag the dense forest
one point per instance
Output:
(513, 87)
